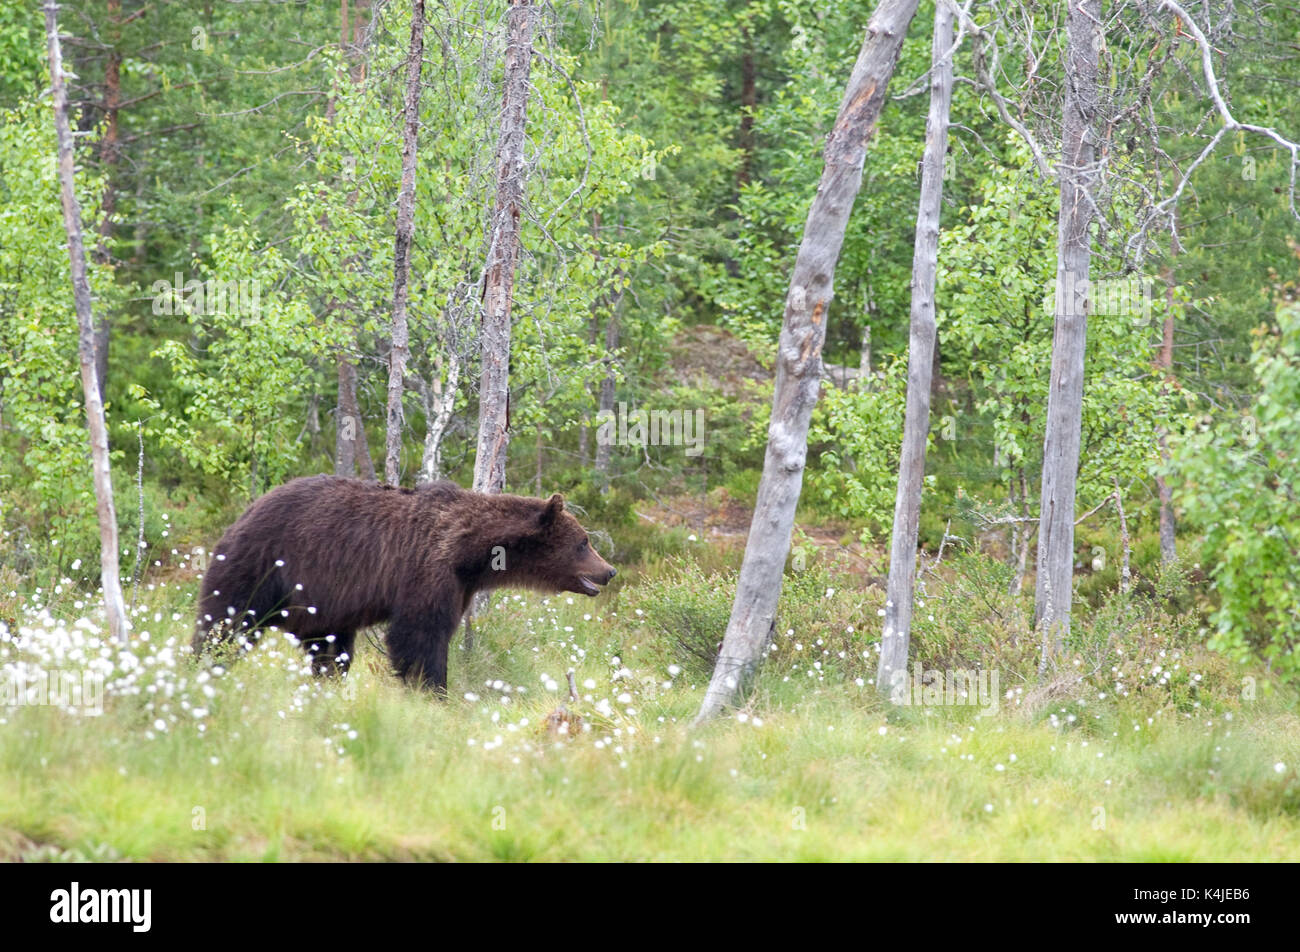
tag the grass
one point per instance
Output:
(260, 762)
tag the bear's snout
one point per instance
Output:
(592, 576)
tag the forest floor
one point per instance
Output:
(260, 762)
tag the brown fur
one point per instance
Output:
(324, 556)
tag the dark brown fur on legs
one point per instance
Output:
(332, 654)
(326, 556)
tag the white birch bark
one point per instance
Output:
(439, 400)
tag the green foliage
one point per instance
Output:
(997, 281)
(772, 199)
(21, 46)
(44, 466)
(243, 386)
(585, 163)
(968, 619)
(855, 438)
(687, 612)
(1239, 475)
(673, 148)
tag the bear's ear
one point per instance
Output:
(554, 506)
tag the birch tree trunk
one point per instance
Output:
(798, 364)
(400, 349)
(439, 399)
(1054, 585)
(502, 256)
(110, 578)
(920, 363)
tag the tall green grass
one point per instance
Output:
(1110, 760)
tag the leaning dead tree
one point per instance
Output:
(798, 363)
(1055, 583)
(400, 349)
(503, 256)
(920, 362)
(114, 606)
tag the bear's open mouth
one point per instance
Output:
(588, 586)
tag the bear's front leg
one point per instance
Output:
(332, 654)
(417, 647)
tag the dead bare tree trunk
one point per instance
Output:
(502, 256)
(502, 259)
(609, 382)
(593, 331)
(114, 607)
(400, 349)
(920, 363)
(1054, 587)
(798, 364)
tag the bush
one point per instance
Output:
(855, 439)
(686, 609)
(1239, 477)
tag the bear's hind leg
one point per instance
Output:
(235, 612)
(227, 639)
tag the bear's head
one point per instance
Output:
(556, 555)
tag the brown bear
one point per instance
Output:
(323, 556)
